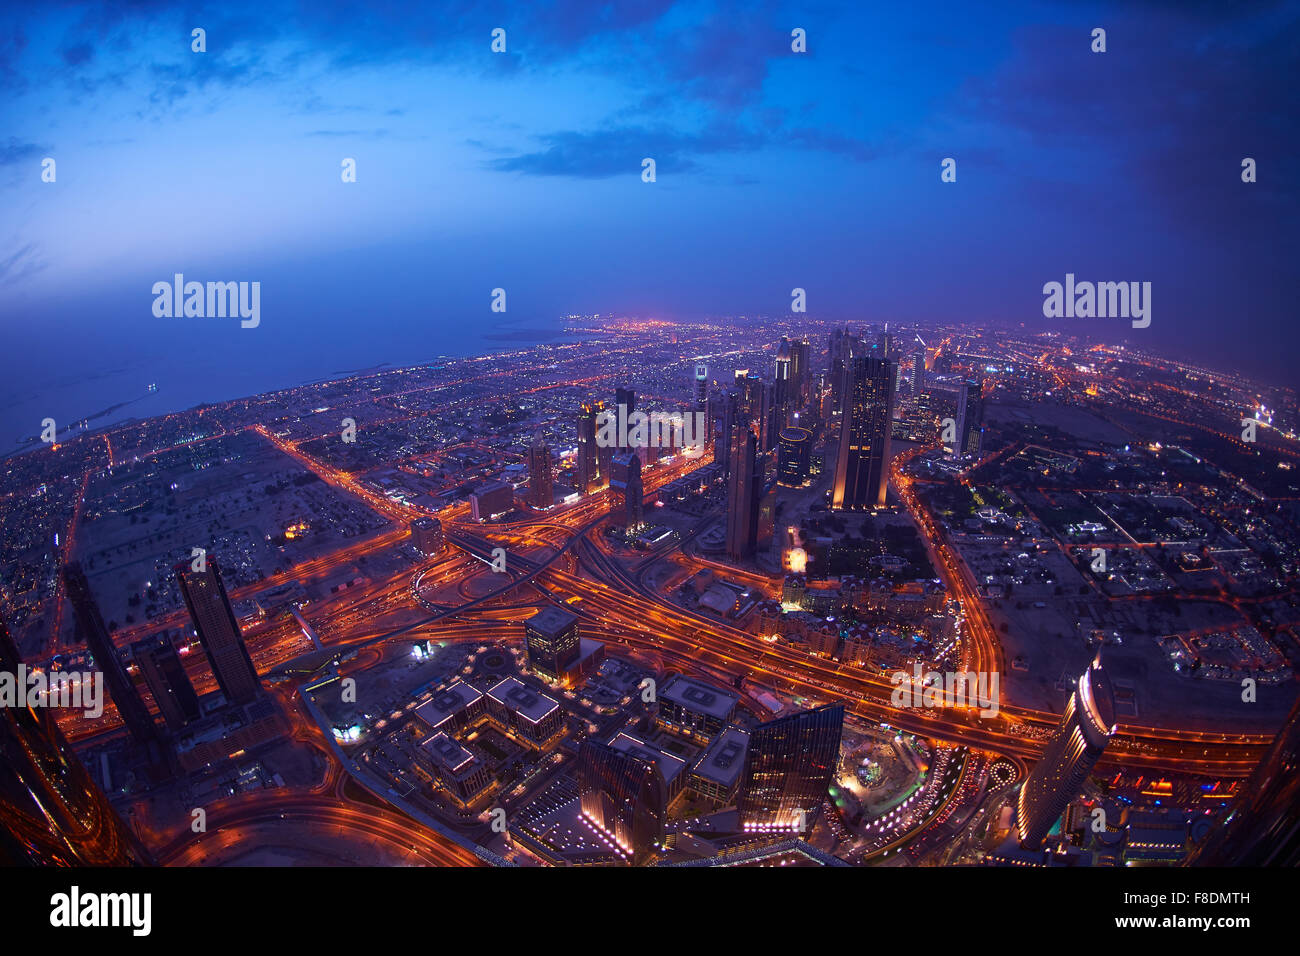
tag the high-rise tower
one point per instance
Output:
(90, 622)
(52, 813)
(218, 631)
(788, 767)
(166, 679)
(1074, 749)
(624, 797)
(862, 466)
(540, 478)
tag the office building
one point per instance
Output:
(716, 774)
(591, 475)
(702, 403)
(540, 477)
(744, 495)
(626, 494)
(970, 418)
(862, 465)
(218, 631)
(460, 772)
(521, 711)
(552, 642)
(1071, 753)
(52, 813)
(624, 797)
(794, 457)
(694, 709)
(1262, 826)
(789, 764)
(427, 536)
(165, 676)
(90, 623)
(492, 500)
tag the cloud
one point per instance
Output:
(14, 152)
(613, 152)
(20, 264)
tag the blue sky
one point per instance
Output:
(775, 170)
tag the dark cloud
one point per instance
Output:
(14, 152)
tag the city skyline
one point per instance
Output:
(676, 434)
(515, 170)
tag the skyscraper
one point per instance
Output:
(623, 796)
(1262, 827)
(785, 384)
(166, 679)
(970, 417)
(52, 813)
(218, 631)
(788, 767)
(625, 486)
(540, 478)
(1076, 746)
(862, 466)
(591, 473)
(801, 367)
(918, 373)
(744, 494)
(794, 457)
(90, 622)
(552, 642)
(843, 345)
(729, 414)
(702, 400)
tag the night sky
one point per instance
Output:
(523, 170)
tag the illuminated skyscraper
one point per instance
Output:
(918, 373)
(702, 400)
(628, 497)
(1262, 827)
(801, 367)
(624, 797)
(788, 768)
(540, 478)
(90, 622)
(552, 642)
(591, 457)
(218, 631)
(728, 404)
(1076, 746)
(862, 466)
(784, 383)
(970, 418)
(166, 679)
(744, 494)
(794, 457)
(52, 813)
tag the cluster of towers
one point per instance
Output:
(218, 632)
(51, 809)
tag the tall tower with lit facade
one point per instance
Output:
(52, 813)
(862, 466)
(1076, 746)
(788, 767)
